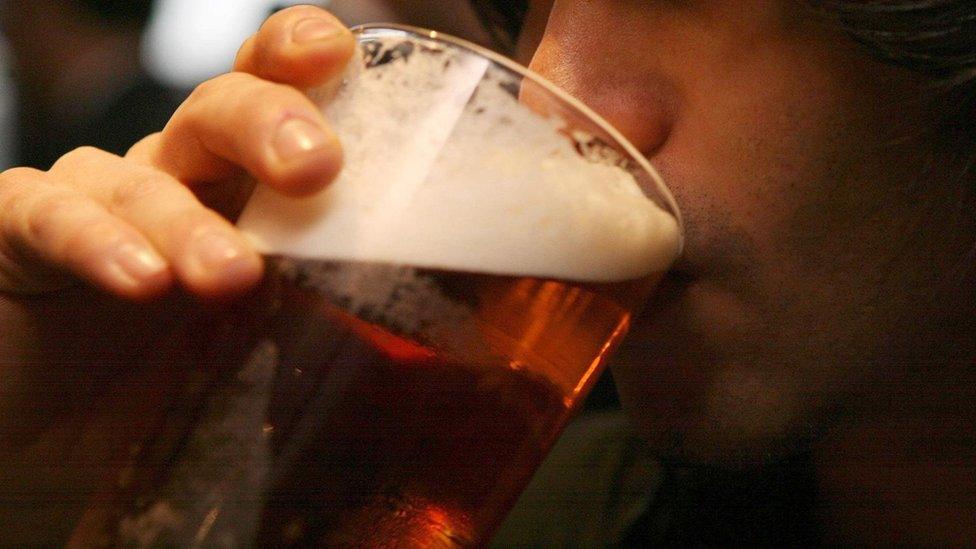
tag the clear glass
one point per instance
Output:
(427, 325)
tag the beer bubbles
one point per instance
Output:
(448, 167)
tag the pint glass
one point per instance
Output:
(427, 324)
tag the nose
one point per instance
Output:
(598, 69)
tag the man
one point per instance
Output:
(791, 349)
(821, 317)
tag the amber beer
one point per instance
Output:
(425, 444)
(410, 419)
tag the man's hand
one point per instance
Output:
(136, 225)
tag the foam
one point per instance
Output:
(479, 183)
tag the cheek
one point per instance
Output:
(775, 165)
(744, 160)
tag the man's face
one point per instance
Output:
(778, 137)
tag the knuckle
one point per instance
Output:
(87, 152)
(245, 53)
(135, 189)
(16, 189)
(45, 217)
(142, 147)
(13, 175)
(80, 157)
(99, 233)
(217, 95)
(204, 92)
(270, 98)
(215, 87)
(244, 101)
(14, 182)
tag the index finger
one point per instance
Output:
(303, 46)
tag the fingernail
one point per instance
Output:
(314, 29)
(138, 262)
(297, 137)
(215, 250)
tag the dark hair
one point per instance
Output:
(937, 37)
(933, 37)
(119, 12)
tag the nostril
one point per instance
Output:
(642, 105)
(644, 115)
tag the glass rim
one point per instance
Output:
(660, 186)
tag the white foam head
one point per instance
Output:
(445, 168)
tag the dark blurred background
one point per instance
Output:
(77, 77)
(107, 72)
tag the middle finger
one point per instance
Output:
(207, 254)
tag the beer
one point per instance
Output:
(428, 323)
(377, 421)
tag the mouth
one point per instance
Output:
(674, 282)
(668, 291)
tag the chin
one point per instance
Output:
(694, 408)
(691, 378)
(693, 433)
